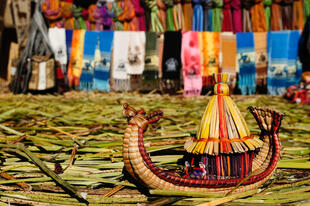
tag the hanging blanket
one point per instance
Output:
(121, 80)
(191, 64)
(69, 34)
(150, 73)
(136, 55)
(276, 16)
(293, 66)
(260, 41)
(139, 11)
(278, 47)
(211, 49)
(228, 53)
(57, 38)
(90, 57)
(76, 58)
(160, 47)
(102, 62)
(171, 64)
(246, 62)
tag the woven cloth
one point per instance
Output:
(103, 61)
(91, 45)
(76, 58)
(150, 73)
(228, 52)
(120, 77)
(260, 39)
(191, 64)
(246, 62)
(283, 69)
(57, 38)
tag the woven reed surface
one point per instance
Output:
(55, 124)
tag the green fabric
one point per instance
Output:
(156, 25)
(267, 4)
(117, 10)
(217, 15)
(79, 22)
(150, 73)
(169, 15)
(306, 9)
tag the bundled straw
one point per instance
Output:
(222, 129)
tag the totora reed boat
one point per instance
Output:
(222, 155)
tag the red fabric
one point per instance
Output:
(227, 24)
(236, 15)
(139, 14)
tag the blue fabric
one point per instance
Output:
(69, 34)
(246, 62)
(209, 20)
(91, 43)
(102, 69)
(284, 69)
(197, 23)
(294, 70)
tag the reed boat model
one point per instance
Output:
(222, 155)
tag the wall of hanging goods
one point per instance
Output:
(130, 45)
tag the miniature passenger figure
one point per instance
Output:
(187, 169)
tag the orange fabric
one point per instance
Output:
(276, 17)
(51, 5)
(298, 16)
(228, 50)
(128, 16)
(66, 13)
(258, 17)
(76, 58)
(91, 17)
(188, 15)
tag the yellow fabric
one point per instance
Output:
(210, 53)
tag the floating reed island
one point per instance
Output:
(79, 137)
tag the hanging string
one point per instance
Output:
(197, 15)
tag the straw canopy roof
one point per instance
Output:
(222, 130)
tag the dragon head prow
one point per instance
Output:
(140, 118)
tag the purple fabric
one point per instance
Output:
(236, 15)
(103, 18)
(139, 11)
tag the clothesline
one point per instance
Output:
(123, 60)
